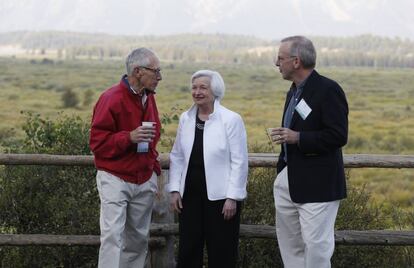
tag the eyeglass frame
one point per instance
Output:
(154, 71)
(279, 59)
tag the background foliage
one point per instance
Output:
(49, 199)
(363, 50)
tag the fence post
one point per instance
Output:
(163, 257)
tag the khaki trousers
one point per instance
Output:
(125, 220)
(305, 231)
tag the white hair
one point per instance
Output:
(138, 57)
(216, 82)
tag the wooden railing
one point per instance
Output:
(163, 229)
(255, 160)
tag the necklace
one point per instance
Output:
(199, 123)
(200, 126)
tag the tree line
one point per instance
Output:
(363, 50)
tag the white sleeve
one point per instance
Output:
(176, 162)
(237, 139)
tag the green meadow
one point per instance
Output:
(381, 103)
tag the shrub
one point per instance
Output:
(172, 117)
(7, 135)
(356, 142)
(358, 213)
(259, 209)
(70, 99)
(88, 97)
(13, 97)
(50, 199)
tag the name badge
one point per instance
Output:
(303, 109)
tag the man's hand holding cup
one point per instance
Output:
(283, 135)
(143, 135)
(273, 134)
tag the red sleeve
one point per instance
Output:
(105, 141)
(152, 115)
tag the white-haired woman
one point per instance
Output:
(208, 176)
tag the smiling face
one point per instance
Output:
(201, 92)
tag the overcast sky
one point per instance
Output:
(269, 19)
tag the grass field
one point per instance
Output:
(381, 103)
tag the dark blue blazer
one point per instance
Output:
(315, 165)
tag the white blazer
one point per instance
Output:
(225, 153)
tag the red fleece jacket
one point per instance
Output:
(117, 112)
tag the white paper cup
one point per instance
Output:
(148, 124)
(143, 147)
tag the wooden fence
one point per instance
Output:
(163, 229)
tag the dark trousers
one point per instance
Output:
(201, 221)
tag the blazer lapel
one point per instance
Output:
(307, 92)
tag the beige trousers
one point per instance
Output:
(305, 231)
(125, 220)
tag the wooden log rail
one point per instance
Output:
(255, 160)
(342, 237)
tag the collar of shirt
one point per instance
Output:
(299, 88)
(133, 91)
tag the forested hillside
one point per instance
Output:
(365, 50)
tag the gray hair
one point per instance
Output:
(138, 57)
(303, 48)
(216, 82)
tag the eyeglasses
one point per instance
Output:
(157, 72)
(279, 59)
(282, 59)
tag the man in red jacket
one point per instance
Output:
(126, 160)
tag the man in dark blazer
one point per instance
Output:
(311, 179)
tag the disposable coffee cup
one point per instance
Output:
(148, 124)
(143, 147)
(269, 133)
